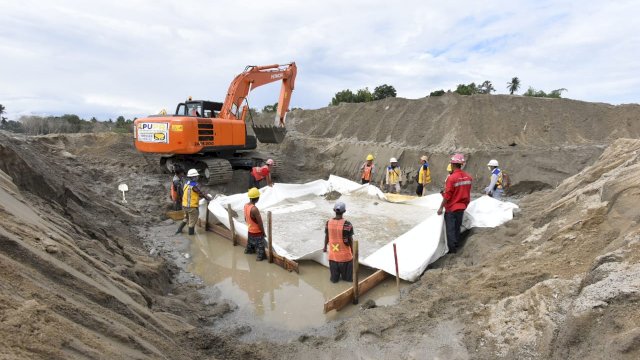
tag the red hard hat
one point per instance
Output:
(457, 159)
(264, 171)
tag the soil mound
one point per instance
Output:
(560, 281)
(77, 281)
(539, 141)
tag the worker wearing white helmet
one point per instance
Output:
(495, 188)
(191, 195)
(367, 170)
(393, 177)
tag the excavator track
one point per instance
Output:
(217, 171)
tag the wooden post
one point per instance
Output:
(206, 218)
(395, 256)
(341, 300)
(269, 228)
(356, 264)
(232, 226)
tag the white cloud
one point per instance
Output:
(108, 58)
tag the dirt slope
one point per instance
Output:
(539, 141)
(560, 281)
(77, 281)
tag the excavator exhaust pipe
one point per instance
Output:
(270, 134)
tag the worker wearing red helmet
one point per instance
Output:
(455, 198)
(259, 173)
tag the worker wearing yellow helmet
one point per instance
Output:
(255, 238)
(367, 170)
(424, 176)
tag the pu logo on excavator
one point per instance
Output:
(277, 76)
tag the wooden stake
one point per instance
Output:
(232, 226)
(356, 265)
(269, 227)
(206, 218)
(395, 256)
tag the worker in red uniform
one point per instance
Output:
(255, 238)
(456, 197)
(338, 235)
(259, 173)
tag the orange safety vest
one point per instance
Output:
(338, 250)
(366, 172)
(256, 172)
(254, 228)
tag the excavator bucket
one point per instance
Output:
(269, 134)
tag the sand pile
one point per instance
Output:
(77, 281)
(539, 141)
(560, 281)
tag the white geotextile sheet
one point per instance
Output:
(416, 249)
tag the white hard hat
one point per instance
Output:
(393, 160)
(493, 162)
(192, 172)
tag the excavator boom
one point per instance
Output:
(253, 77)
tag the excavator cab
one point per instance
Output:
(199, 108)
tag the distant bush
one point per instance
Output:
(363, 95)
(69, 123)
(437, 93)
(555, 94)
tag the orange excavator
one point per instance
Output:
(213, 137)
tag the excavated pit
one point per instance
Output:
(91, 277)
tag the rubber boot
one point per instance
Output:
(182, 225)
(192, 230)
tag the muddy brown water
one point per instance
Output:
(275, 303)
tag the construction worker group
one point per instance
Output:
(339, 232)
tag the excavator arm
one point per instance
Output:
(253, 77)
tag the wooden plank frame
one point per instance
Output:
(344, 298)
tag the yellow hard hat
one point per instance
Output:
(369, 157)
(449, 169)
(254, 193)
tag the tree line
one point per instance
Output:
(487, 88)
(68, 123)
(363, 95)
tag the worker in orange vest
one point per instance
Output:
(255, 238)
(367, 170)
(338, 235)
(177, 183)
(259, 173)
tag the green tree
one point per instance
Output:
(363, 95)
(270, 108)
(344, 96)
(514, 85)
(383, 91)
(556, 93)
(2, 110)
(120, 121)
(486, 88)
(94, 120)
(437, 93)
(469, 89)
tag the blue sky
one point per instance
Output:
(134, 58)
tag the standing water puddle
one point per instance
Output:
(275, 303)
